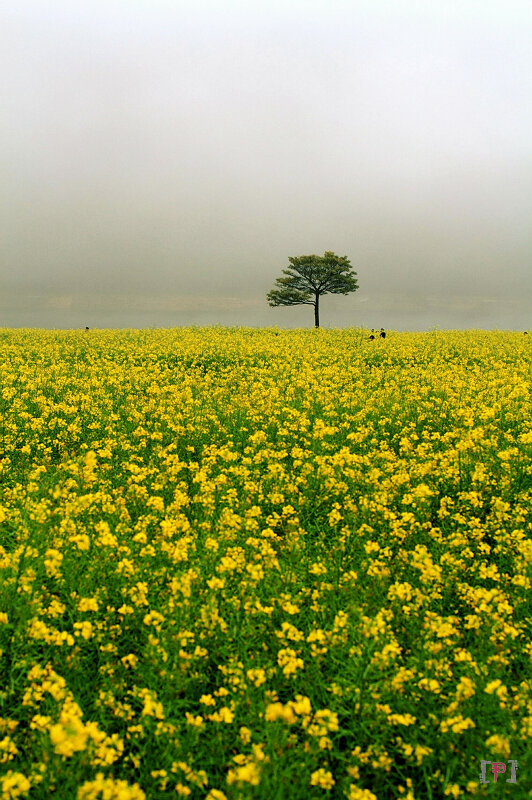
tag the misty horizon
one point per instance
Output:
(162, 162)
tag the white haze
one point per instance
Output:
(161, 161)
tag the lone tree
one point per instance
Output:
(308, 277)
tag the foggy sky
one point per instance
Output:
(162, 160)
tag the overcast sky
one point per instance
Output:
(162, 159)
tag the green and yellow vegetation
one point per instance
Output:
(242, 563)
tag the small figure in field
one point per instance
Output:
(86, 327)
(383, 333)
(371, 338)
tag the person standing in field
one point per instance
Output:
(383, 333)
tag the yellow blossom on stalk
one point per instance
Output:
(13, 785)
(420, 752)
(318, 568)
(340, 620)
(40, 723)
(52, 561)
(456, 724)
(275, 711)
(216, 583)
(430, 684)
(8, 749)
(90, 465)
(465, 688)
(105, 537)
(108, 748)
(400, 591)
(154, 618)
(301, 706)
(401, 719)
(224, 714)
(322, 778)
(88, 604)
(256, 676)
(207, 700)
(289, 661)
(248, 773)
(290, 608)
(321, 722)
(195, 721)
(83, 629)
(453, 790)
(69, 735)
(356, 793)
(152, 707)
(245, 734)
(499, 745)
(103, 788)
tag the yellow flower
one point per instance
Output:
(288, 660)
(453, 790)
(355, 793)
(83, 629)
(275, 711)
(256, 676)
(88, 604)
(13, 785)
(457, 724)
(322, 778)
(68, 736)
(245, 735)
(420, 752)
(465, 688)
(248, 773)
(499, 745)
(207, 700)
(223, 715)
(40, 723)
(430, 684)
(152, 707)
(401, 719)
(109, 789)
(301, 705)
(130, 660)
(195, 721)
(290, 607)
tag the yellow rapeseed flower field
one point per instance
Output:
(244, 563)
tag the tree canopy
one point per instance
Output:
(308, 277)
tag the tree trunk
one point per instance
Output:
(317, 312)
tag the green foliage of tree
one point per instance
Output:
(308, 277)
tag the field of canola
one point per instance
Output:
(282, 565)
